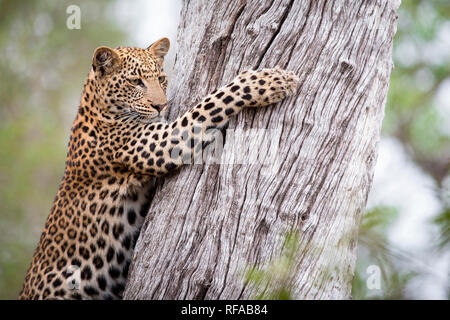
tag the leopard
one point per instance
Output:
(120, 142)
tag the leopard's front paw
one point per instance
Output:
(268, 86)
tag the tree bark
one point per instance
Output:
(209, 224)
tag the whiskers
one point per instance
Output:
(130, 116)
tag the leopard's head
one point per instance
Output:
(130, 82)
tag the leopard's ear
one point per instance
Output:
(105, 61)
(159, 49)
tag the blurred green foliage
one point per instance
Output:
(273, 281)
(43, 65)
(422, 65)
(376, 250)
(416, 118)
(443, 221)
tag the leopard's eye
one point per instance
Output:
(137, 82)
(161, 79)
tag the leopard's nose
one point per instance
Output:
(159, 107)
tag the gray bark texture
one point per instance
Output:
(209, 224)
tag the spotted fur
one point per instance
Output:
(120, 141)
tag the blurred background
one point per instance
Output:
(406, 229)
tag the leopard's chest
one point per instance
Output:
(124, 217)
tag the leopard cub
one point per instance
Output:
(119, 141)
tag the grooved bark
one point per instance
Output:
(208, 224)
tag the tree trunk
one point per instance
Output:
(218, 231)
